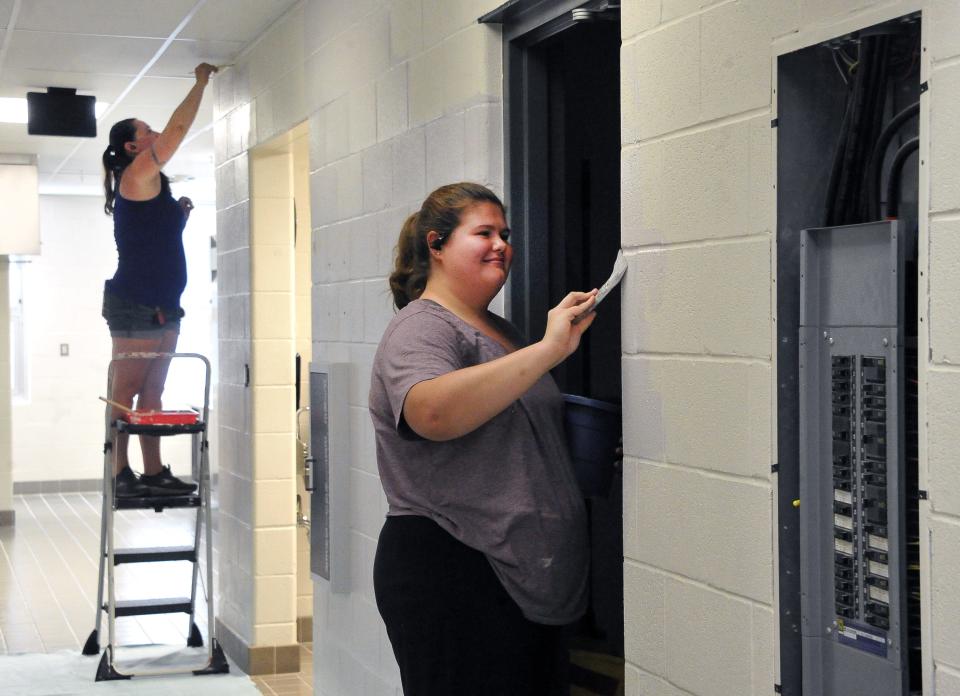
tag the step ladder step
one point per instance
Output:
(160, 430)
(143, 607)
(157, 502)
(154, 554)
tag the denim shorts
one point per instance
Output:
(132, 320)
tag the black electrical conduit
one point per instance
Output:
(893, 179)
(846, 202)
(875, 167)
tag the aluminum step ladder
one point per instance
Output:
(110, 557)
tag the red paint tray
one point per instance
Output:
(161, 417)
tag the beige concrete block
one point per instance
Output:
(425, 83)
(945, 603)
(944, 138)
(274, 503)
(707, 185)
(270, 406)
(444, 18)
(665, 88)
(323, 20)
(272, 362)
(362, 103)
(350, 187)
(274, 453)
(644, 613)
(274, 551)
(275, 599)
(409, 168)
(638, 16)
(826, 11)
(483, 145)
(943, 439)
(368, 44)
(944, 322)
(685, 526)
(672, 10)
(277, 52)
(391, 105)
(406, 29)
(640, 683)
(289, 100)
(363, 250)
(337, 129)
(368, 505)
(762, 639)
(366, 626)
(272, 315)
(445, 150)
(631, 508)
(276, 634)
(708, 639)
(705, 414)
(946, 680)
(941, 19)
(472, 67)
(643, 208)
(272, 267)
(377, 177)
(735, 54)
(378, 309)
(710, 299)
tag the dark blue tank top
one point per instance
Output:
(151, 264)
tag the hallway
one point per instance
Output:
(48, 580)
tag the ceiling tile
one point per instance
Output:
(235, 20)
(46, 51)
(146, 18)
(6, 9)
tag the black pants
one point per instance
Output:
(454, 629)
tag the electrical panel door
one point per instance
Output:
(853, 544)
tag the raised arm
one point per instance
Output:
(459, 402)
(148, 163)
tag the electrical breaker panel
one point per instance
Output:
(853, 537)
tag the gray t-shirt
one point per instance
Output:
(506, 489)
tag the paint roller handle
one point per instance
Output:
(116, 404)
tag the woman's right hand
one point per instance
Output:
(203, 72)
(563, 332)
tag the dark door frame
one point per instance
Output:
(526, 24)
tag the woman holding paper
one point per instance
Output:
(483, 556)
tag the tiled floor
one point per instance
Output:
(48, 580)
(290, 684)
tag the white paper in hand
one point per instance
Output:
(616, 275)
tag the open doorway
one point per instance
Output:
(280, 333)
(563, 192)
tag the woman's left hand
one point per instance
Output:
(186, 205)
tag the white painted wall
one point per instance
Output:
(58, 428)
(405, 94)
(698, 212)
(6, 412)
(401, 95)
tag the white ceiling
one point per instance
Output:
(100, 47)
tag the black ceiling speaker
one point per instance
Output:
(61, 111)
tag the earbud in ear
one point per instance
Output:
(436, 244)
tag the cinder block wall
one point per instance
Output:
(940, 346)
(699, 229)
(697, 211)
(401, 96)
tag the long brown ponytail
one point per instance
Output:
(440, 213)
(115, 159)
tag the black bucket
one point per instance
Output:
(593, 430)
